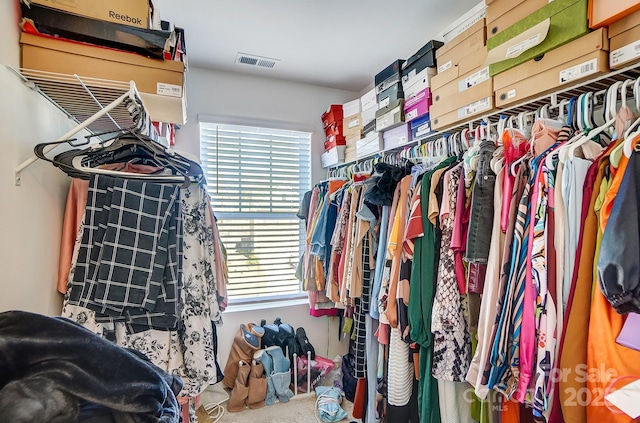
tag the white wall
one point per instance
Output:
(30, 214)
(248, 97)
(225, 94)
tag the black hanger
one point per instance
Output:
(125, 146)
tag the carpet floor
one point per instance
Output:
(298, 410)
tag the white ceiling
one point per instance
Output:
(333, 43)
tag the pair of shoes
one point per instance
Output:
(282, 335)
(305, 345)
(246, 342)
(277, 367)
(250, 387)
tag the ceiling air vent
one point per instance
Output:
(251, 60)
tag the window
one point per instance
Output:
(256, 178)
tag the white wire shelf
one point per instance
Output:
(599, 83)
(81, 97)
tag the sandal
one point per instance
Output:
(304, 343)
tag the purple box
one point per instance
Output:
(397, 136)
(417, 105)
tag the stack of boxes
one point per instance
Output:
(507, 53)
(335, 143)
(404, 96)
(624, 36)
(352, 128)
(372, 139)
(463, 87)
(554, 44)
(416, 84)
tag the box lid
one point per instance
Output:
(478, 26)
(624, 24)
(431, 45)
(549, 27)
(393, 69)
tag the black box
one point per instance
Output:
(388, 76)
(422, 59)
(428, 50)
(390, 95)
(369, 127)
(146, 42)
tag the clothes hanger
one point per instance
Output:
(611, 111)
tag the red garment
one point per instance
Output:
(459, 237)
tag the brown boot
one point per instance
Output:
(257, 386)
(245, 343)
(240, 390)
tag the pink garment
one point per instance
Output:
(73, 215)
(528, 328)
(459, 238)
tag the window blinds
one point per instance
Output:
(256, 178)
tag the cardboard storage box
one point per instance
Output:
(606, 12)
(581, 59)
(390, 116)
(412, 86)
(555, 24)
(388, 76)
(352, 126)
(368, 115)
(397, 136)
(126, 12)
(421, 60)
(467, 64)
(464, 22)
(368, 100)
(446, 120)
(334, 128)
(469, 41)
(332, 115)
(150, 75)
(369, 127)
(391, 94)
(334, 141)
(420, 127)
(624, 36)
(351, 108)
(417, 105)
(370, 144)
(350, 154)
(333, 156)
(501, 14)
(462, 91)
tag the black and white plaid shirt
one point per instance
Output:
(129, 261)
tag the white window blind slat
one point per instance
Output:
(256, 178)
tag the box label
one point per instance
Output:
(381, 124)
(625, 54)
(423, 129)
(473, 80)
(444, 67)
(384, 102)
(474, 108)
(409, 76)
(354, 123)
(412, 114)
(517, 49)
(169, 90)
(511, 94)
(578, 71)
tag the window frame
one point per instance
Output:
(265, 301)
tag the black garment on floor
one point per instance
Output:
(52, 366)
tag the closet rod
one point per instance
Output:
(131, 93)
